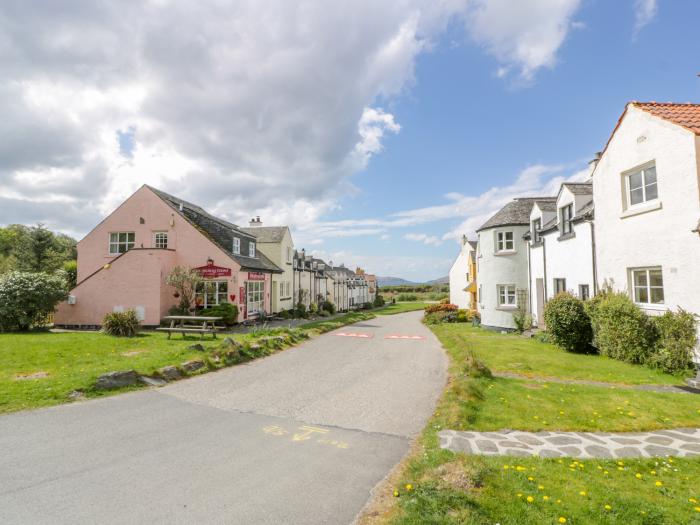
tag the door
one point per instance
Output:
(539, 285)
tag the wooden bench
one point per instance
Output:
(187, 324)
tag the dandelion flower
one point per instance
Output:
(540, 487)
(638, 475)
(692, 500)
(653, 473)
(520, 468)
(582, 493)
(409, 487)
(659, 484)
(396, 493)
(520, 494)
(697, 509)
(608, 507)
(530, 478)
(621, 463)
(562, 519)
(505, 467)
(605, 473)
(530, 499)
(545, 498)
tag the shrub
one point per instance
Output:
(121, 324)
(568, 324)
(522, 319)
(228, 312)
(379, 301)
(26, 299)
(438, 317)
(327, 306)
(324, 313)
(286, 314)
(440, 307)
(407, 297)
(621, 330)
(464, 316)
(300, 311)
(313, 308)
(71, 271)
(677, 338)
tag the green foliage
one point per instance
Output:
(568, 323)
(417, 288)
(379, 301)
(406, 297)
(228, 312)
(313, 308)
(324, 313)
(621, 330)
(464, 316)
(71, 270)
(440, 307)
(300, 311)
(34, 249)
(677, 338)
(441, 316)
(26, 299)
(327, 306)
(121, 324)
(185, 281)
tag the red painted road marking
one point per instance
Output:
(412, 337)
(352, 334)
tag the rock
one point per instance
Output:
(170, 373)
(76, 395)
(231, 343)
(255, 347)
(197, 347)
(152, 381)
(119, 379)
(191, 366)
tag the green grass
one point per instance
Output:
(399, 308)
(449, 488)
(530, 357)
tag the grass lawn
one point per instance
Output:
(399, 308)
(440, 487)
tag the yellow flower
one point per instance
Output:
(620, 468)
(605, 473)
(520, 469)
(608, 507)
(396, 493)
(505, 467)
(540, 487)
(562, 519)
(520, 494)
(530, 499)
(409, 487)
(582, 493)
(697, 509)
(638, 475)
(670, 460)
(653, 473)
(659, 484)
(558, 501)
(692, 500)
(545, 498)
(530, 478)
(621, 463)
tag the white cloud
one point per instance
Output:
(430, 240)
(644, 13)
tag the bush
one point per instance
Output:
(440, 307)
(464, 316)
(300, 311)
(313, 308)
(407, 297)
(621, 330)
(379, 301)
(121, 324)
(522, 320)
(677, 338)
(71, 270)
(324, 313)
(445, 316)
(26, 299)
(327, 306)
(228, 312)
(568, 324)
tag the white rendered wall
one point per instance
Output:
(458, 277)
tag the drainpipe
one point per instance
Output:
(595, 261)
(544, 268)
(529, 275)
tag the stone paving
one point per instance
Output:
(681, 442)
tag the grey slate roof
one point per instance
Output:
(220, 232)
(547, 205)
(515, 213)
(267, 233)
(473, 244)
(582, 213)
(579, 188)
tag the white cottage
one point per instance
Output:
(647, 205)
(460, 279)
(502, 263)
(561, 248)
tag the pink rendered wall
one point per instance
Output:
(136, 279)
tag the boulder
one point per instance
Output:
(118, 379)
(76, 395)
(152, 381)
(191, 366)
(197, 347)
(230, 343)
(170, 373)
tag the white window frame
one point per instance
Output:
(118, 243)
(158, 240)
(628, 189)
(502, 241)
(581, 287)
(648, 287)
(251, 249)
(236, 248)
(207, 288)
(566, 217)
(504, 293)
(556, 285)
(255, 297)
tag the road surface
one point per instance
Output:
(302, 436)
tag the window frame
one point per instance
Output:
(502, 241)
(255, 290)
(156, 242)
(647, 287)
(251, 249)
(556, 282)
(236, 247)
(536, 225)
(506, 289)
(566, 218)
(218, 292)
(119, 242)
(627, 175)
(584, 296)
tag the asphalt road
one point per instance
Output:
(302, 436)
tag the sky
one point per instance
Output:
(380, 132)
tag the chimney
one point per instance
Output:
(594, 162)
(255, 222)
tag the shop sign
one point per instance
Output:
(256, 276)
(210, 271)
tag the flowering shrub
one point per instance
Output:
(441, 307)
(27, 298)
(677, 338)
(121, 324)
(568, 323)
(441, 316)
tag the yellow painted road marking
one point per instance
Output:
(275, 430)
(306, 432)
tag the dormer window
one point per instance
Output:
(536, 226)
(566, 215)
(236, 246)
(251, 249)
(505, 242)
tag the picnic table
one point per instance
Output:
(191, 324)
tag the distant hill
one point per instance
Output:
(392, 281)
(441, 280)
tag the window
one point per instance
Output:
(648, 286)
(506, 295)
(479, 297)
(289, 254)
(584, 292)
(566, 214)
(211, 293)
(160, 239)
(641, 186)
(536, 225)
(504, 242)
(251, 249)
(121, 242)
(559, 286)
(255, 297)
(236, 246)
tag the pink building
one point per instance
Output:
(124, 261)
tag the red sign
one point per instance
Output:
(256, 276)
(210, 271)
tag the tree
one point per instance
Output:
(27, 298)
(185, 282)
(71, 270)
(38, 251)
